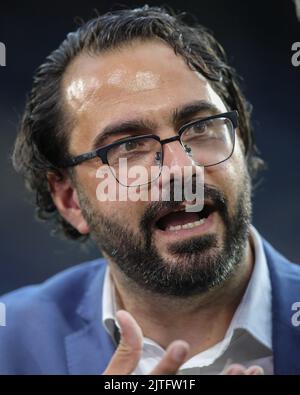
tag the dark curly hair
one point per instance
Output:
(42, 142)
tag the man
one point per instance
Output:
(179, 290)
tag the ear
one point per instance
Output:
(65, 198)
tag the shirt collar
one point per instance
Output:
(252, 315)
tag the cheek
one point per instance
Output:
(110, 198)
(238, 163)
(228, 177)
(127, 214)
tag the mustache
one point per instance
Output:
(217, 201)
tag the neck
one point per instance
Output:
(204, 319)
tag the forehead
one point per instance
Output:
(145, 79)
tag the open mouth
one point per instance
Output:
(178, 219)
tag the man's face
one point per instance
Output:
(148, 82)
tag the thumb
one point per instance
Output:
(127, 355)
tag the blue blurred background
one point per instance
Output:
(257, 36)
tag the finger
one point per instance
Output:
(127, 355)
(234, 370)
(255, 371)
(174, 357)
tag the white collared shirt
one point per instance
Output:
(248, 339)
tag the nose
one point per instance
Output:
(174, 162)
(175, 155)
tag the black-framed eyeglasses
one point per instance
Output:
(207, 141)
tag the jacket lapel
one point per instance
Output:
(90, 348)
(285, 280)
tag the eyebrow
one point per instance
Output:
(144, 126)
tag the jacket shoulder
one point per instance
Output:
(281, 265)
(38, 317)
(285, 279)
(72, 281)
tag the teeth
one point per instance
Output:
(187, 226)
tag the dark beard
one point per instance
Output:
(197, 265)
